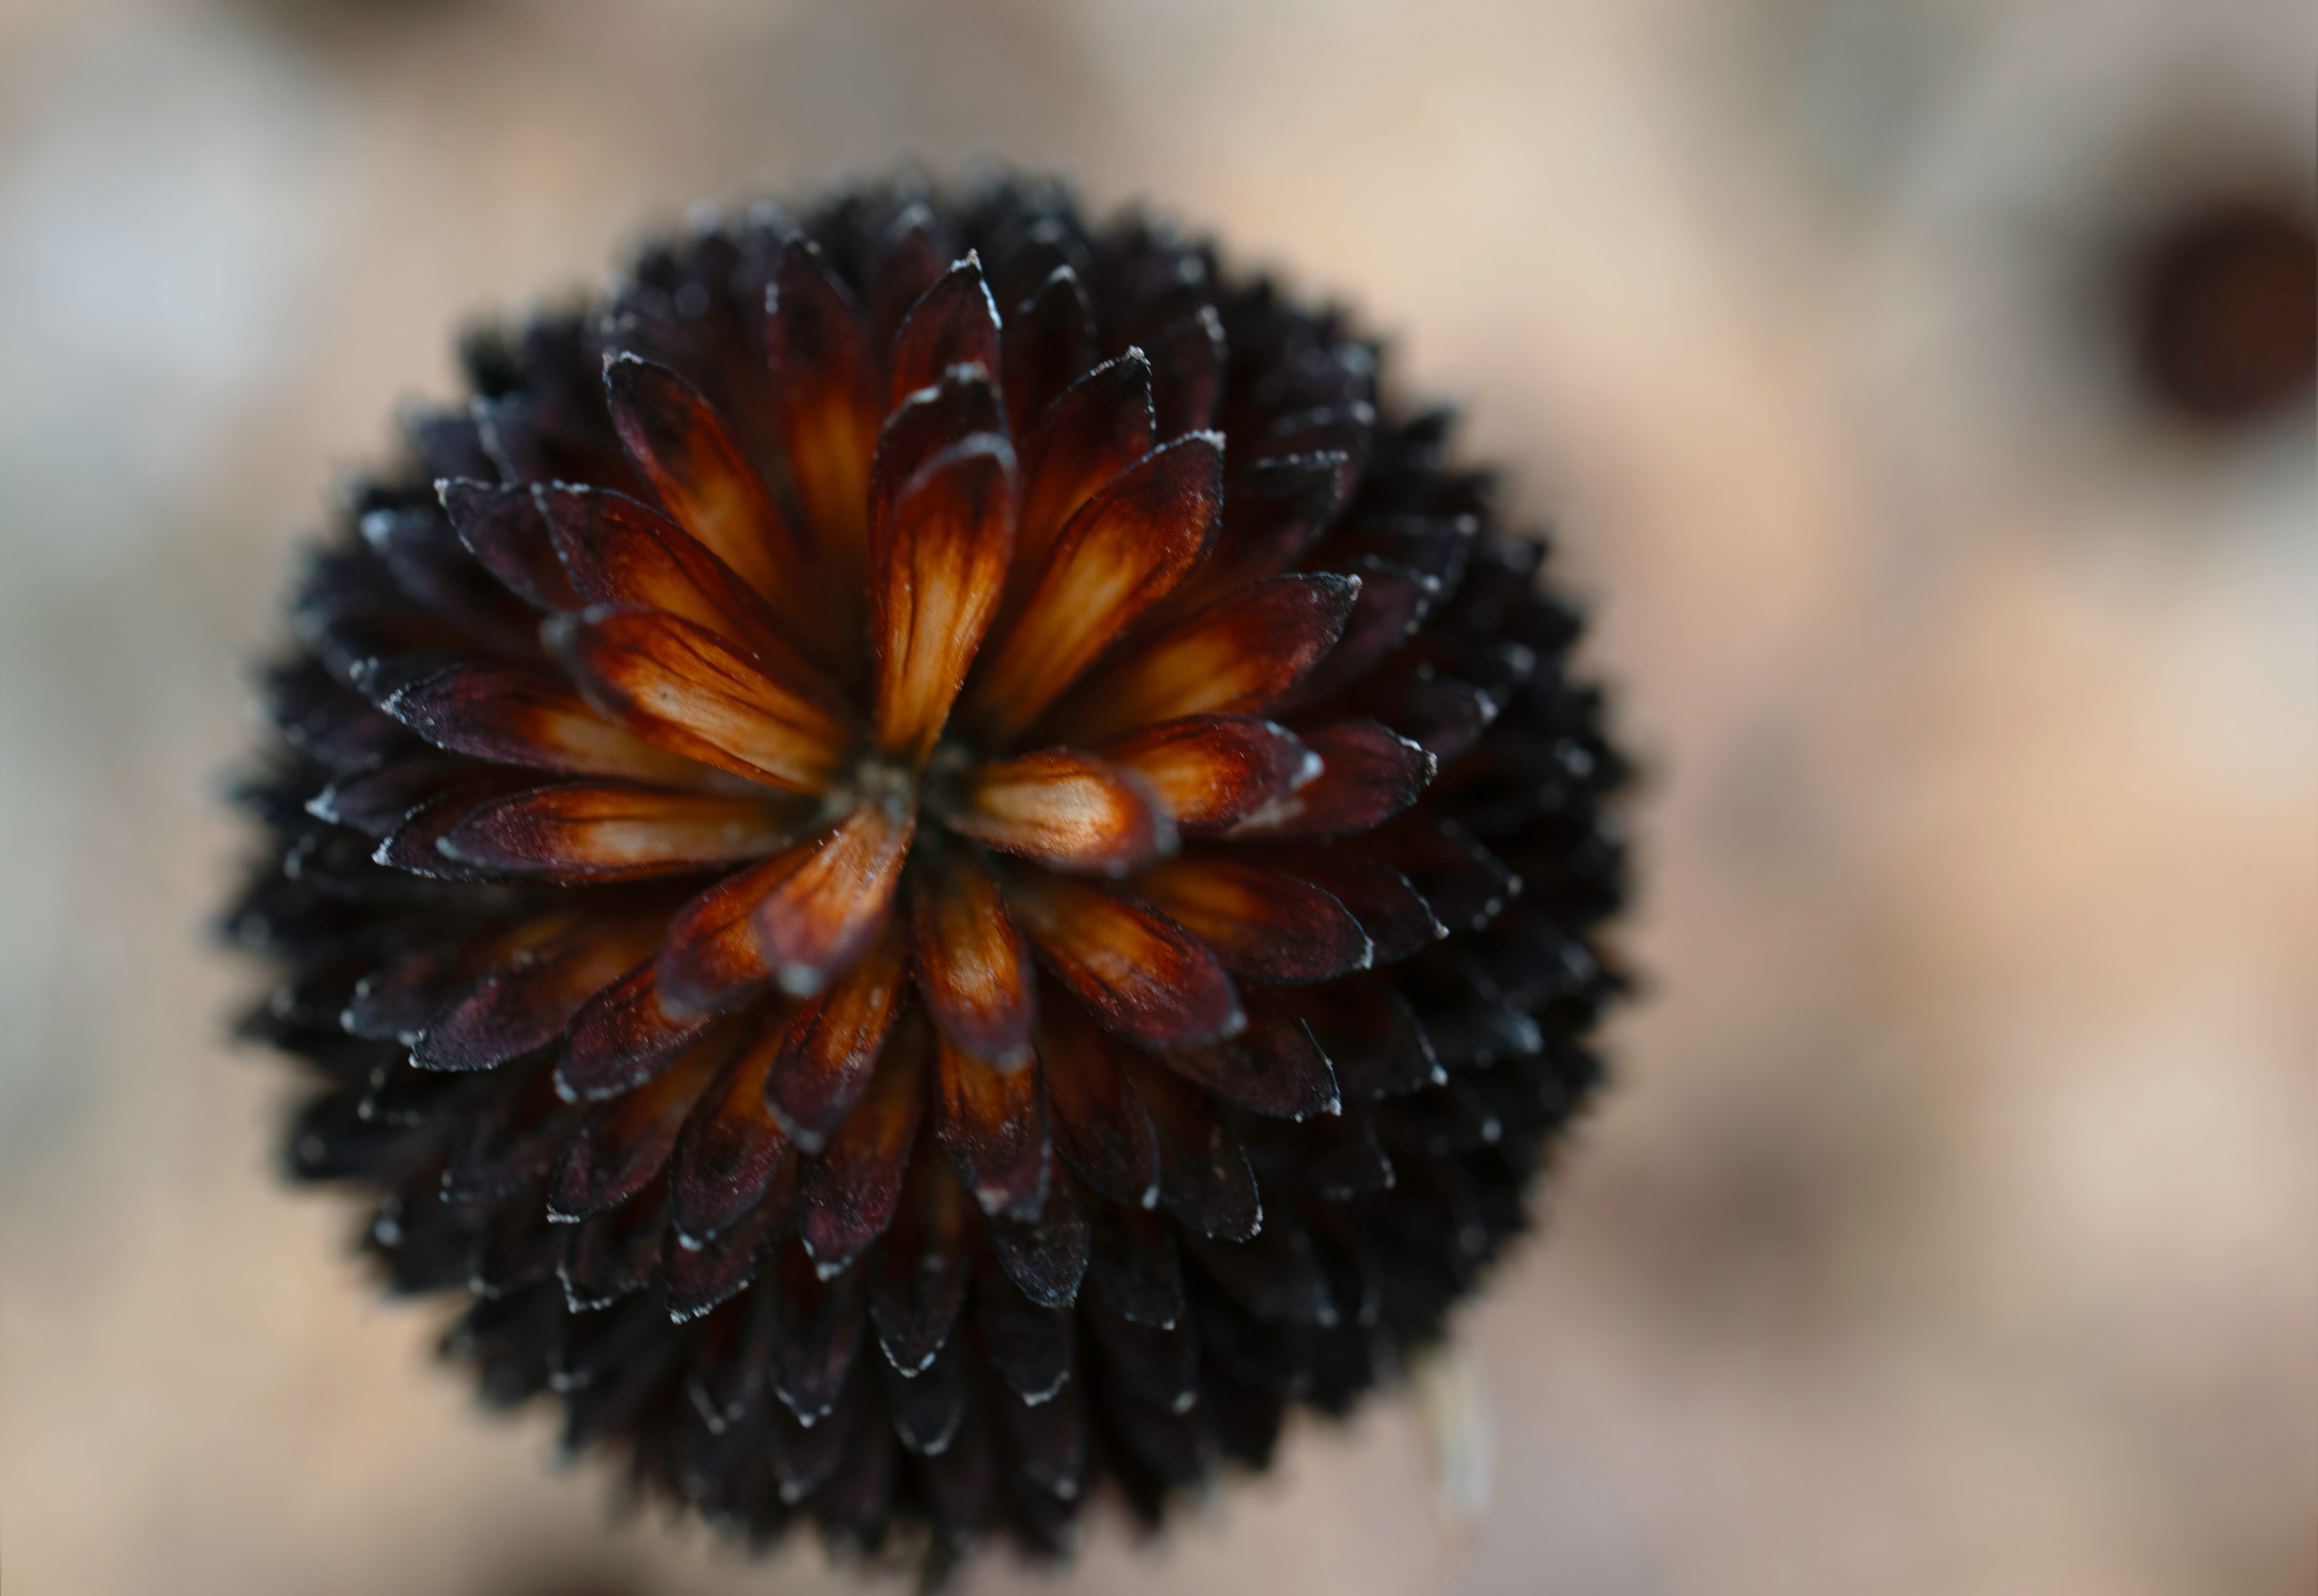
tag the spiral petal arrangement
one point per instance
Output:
(939, 860)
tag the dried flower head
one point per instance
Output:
(939, 860)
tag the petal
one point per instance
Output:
(1391, 909)
(622, 1144)
(711, 955)
(826, 402)
(1338, 1157)
(411, 845)
(928, 424)
(1064, 810)
(1102, 1128)
(831, 1044)
(970, 962)
(1050, 1447)
(1144, 977)
(514, 1009)
(992, 1124)
(1393, 603)
(375, 802)
(583, 831)
(522, 717)
(826, 912)
(700, 1278)
(1367, 775)
(956, 324)
(1204, 1179)
(706, 483)
(611, 1255)
(1028, 1342)
(1046, 1257)
(1466, 884)
(1440, 714)
(929, 1408)
(1370, 1033)
(821, 1323)
(1133, 1268)
(1234, 657)
(910, 261)
(920, 1280)
(847, 1195)
(1161, 1366)
(683, 687)
(620, 1038)
(1209, 771)
(1098, 428)
(940, 560)
(1273, 1068)
(501, 527)
(425, 558)
(1275, 511)
(1257, 922)
(1048, 341)
(1187, 372)
(731, 1147)
(1120, 553)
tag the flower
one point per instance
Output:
(939, 860)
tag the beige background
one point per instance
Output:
(1953, 1229)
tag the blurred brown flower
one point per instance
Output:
(933, 905)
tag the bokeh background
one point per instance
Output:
(1920, 391)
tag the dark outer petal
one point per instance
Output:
(847, 1196)
(620, 1038)
(1046, 1257)
(623, 1143)
(1370, 1034)
(1257, 922)
(501, 527)
(955, 324)
(510, 1011)
(1388, 905)
(1367, 775)
(992, 1124)
(920, 1279)
(1048, 342)
(731, 1148)
(1273, 1068)
(833, 1041)
(1101, 1127)
(1204, 1179)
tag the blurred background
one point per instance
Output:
(1920, 391)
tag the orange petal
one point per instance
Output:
(1144, 977)
(1234, 657)
(833, 1041)
(1260, 924)
(846, 1196)
(827, 403)
(1099, 427)
(683, 687)
(1118, 555)
(1067, 811)
(970, 962)
(1209, 771)
(590, 831)
(956, 324)
(940, 560)
(992, 1122)
(521, 717)
(822, 916)
(1367, 775)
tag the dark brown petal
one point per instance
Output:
(853, 1509)
(1466, 885)
(1098, 428)
(1161, 1366)
(1133, 1268)
(1391, 909)
(1028, 1342)
(512, 1138)
(1101, 1127)
(920, 1280)
(683, 687)
(833, 1041)
(827, 911)
(1274, 512)
(1144, 977)
(732, 1147)
(1339, 1157)
(701, 1277)
(397, 998)
(1050, 1440)
(827, 403)
(821, 1323)
(1234, 657)
(847, 1196)
(1048, 342)
(930, 423)
(1274, 1275)
(375, 802)
(622, 1144)
(1204, 1179)
(805, 1457)
(1393, 603)
(1209, 771)
(1370, 1034)
(1046, 1257)
(425, 557)
(939, 560)
(969, 960)
(1257, 922)
(501, 527)
(522, 717)
(411, 845)
(583, 831)
(1329, 429)
(612, 1255)
(929, 1408)
(1272, 1068)
(1064, 810)
(1441, 715)
(1368, 774)
(512, 1011)
(711, 956)
(992, 1124)
(910, 261)
(1120, 553)
(956, 324)
(1187, 372)
(328, 724)
(621, 1037)
(707, 483)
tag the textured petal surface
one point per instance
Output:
(593, 831)
(971, 965)
(992, 1124)
(1064, 810)
(835, 898)
(1144, 976)
(939, 557)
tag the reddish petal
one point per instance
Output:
(683, 687)
(1273, 514)
(620, 1038)
(1259, 923)
(1209, 771)
(1102, 1128)
(501, 527)
(940, 561)
(521, 717)
(846, 1196)
(928, 424)
(970, 962)
(1099, 426)
(1064, 810)
(956, 324)
(1367, 775)
(1122, 552)
(512, 1011)
(1391, 909)
(1146, 978)
(910, 261)
(821, 917)
(622, 1144)
(1393, 603)
(411, 845)
(832, 1042)
(375, 802)
(1234, 657)
(711, 956)
(731, 1147)
(1048, 341)
(582, 832)
(701, 1277)
(1272, 1068)
(821, 1334)
(992, 1124)
(826, 402)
